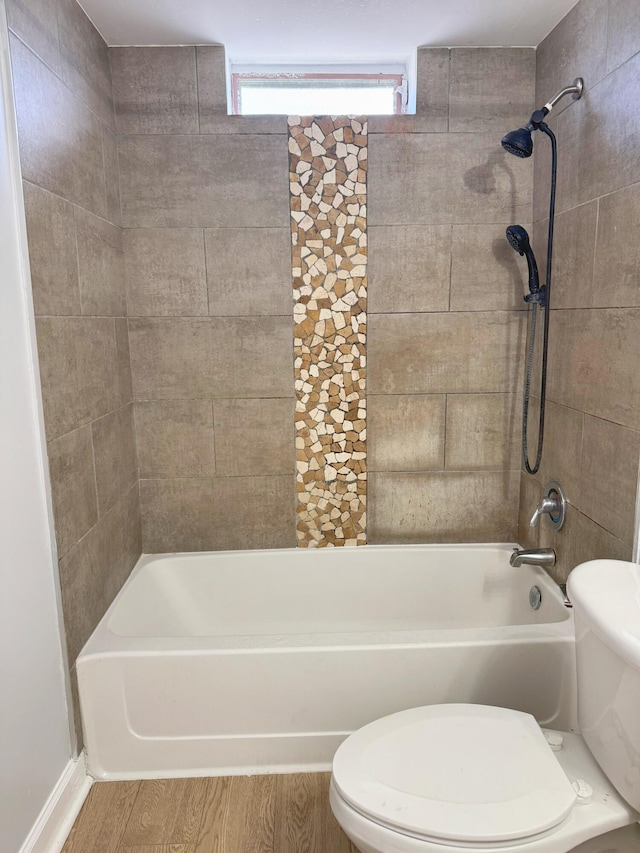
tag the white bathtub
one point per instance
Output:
(264, 661)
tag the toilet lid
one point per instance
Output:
(466, 773)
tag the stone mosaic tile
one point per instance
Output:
(328, 198)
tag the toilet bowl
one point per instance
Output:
(449, 778)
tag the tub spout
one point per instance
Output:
(545, 557)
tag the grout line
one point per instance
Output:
(206, 270)
(197, 79)
(213, 437)
(595, 251)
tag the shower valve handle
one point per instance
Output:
(548, 505)
(553, 504)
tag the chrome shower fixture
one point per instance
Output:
(519, 142)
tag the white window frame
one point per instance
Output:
(395, 72)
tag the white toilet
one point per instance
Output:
(448, 778)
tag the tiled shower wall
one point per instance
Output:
(205, 208)
(446, 329)
(209, 280)
(66, 128)
(592, 442)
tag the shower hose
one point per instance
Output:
(533, 317)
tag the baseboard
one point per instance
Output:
(54, 822)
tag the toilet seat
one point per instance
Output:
(493, 777)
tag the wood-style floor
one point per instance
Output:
(236, 814)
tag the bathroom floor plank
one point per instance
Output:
(166, 811)
(239, 815)
(305, 823)
(102, 820)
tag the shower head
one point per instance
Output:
(519, 241)
(520, 141)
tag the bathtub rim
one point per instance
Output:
(104, 642)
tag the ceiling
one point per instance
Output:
(289, 31)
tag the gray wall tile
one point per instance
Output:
(249, 271)
(173, 182)
(485, 183)
(36, 23)
(623, 32)
(222, 514)
(252, 357)
(52, 252)
(100, 266)
(177, 515)
(165, 272)
(483, 431)
(93, 572)
(212, 84)
(409, 268)
(491, 89)
(486, 274)
(115, 456)
(155, 89)
(405, 432)
(437, 179)
(408, 180)
(445, 353)
(73, 486)
(603, 128)
(111, 174)
(573, 250)
(617, 250)
(432, 83)
(78, 369)
(609, 476)
(171, 358)
(443, 507)
(66, 160)
(254, 512)
(577, 46)
(175, 439)
(254, 437)
(123, 363)
(85, 60)
(593, 358)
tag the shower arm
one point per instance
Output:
(575, 91)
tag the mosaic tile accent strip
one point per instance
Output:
(328, 179)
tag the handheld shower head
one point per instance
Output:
(519, 241)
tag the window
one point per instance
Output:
(305, 92)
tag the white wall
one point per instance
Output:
(35, 742)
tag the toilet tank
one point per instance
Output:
(606, 600)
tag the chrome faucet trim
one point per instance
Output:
(545, 557)
(553, 504)
(548, 505)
